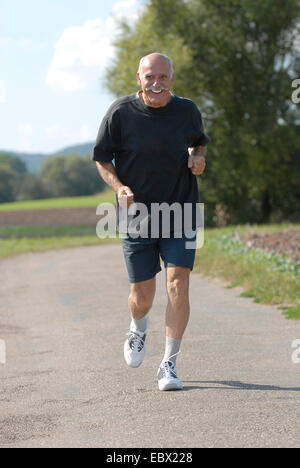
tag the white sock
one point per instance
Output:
(140, 324)
(172, 349)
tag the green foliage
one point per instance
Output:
(14, 163)
(236, 59)
(8, 180)
(60, 176)
(70, 176)
(30, 187)
(292, 313)
(270, 260)
(82, 176)
(54, 177)
(11, 171)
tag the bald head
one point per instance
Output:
(155, 77)
(155, 58)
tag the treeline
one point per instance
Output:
(237, 60)
(60, 176)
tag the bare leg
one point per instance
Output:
(141, 298)
(178, 309)
(177, 317)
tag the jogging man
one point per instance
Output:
(158, 145)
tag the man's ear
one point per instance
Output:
(172, 79)
(138, 79)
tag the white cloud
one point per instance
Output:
(127, 9)
(3, 92)
(83, 52)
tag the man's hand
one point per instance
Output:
(125, 196)
(196, 160)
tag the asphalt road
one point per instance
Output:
(64, 318)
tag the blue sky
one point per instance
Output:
(53, 54)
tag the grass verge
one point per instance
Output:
(12, 247)
(65, 230)
(108, 196)
(267, 277)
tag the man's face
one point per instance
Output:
(155, 81)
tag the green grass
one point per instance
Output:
(267, 277)
(108, 196)
(18, 232)
(12, 247)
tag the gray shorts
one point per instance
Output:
(142, 256)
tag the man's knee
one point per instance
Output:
(140, 300)
(178, 283)
(142, 295)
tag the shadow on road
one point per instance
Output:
(235, 385)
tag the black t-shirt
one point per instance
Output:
(149, 147)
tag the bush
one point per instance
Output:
(8, 179)
(30, 187)
(70, 176)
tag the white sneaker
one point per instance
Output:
(167, 377)
(134, 348)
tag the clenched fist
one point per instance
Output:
(196, 164)
(125, 196)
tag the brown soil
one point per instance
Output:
(282, 242)
(49, 217)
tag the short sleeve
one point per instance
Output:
(199, 137)
(108, 139)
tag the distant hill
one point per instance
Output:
(82, 150)
(34, 161)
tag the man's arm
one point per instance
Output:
(196, 160)
(108, 173)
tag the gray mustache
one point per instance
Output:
(160, 88)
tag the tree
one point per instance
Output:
(236, 59)
(11, 169)
(14, 163)
(30, 187)
(7, 184)
(54, 177)
(70, 176)
(82, 177)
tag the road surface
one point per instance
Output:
(64, 318)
